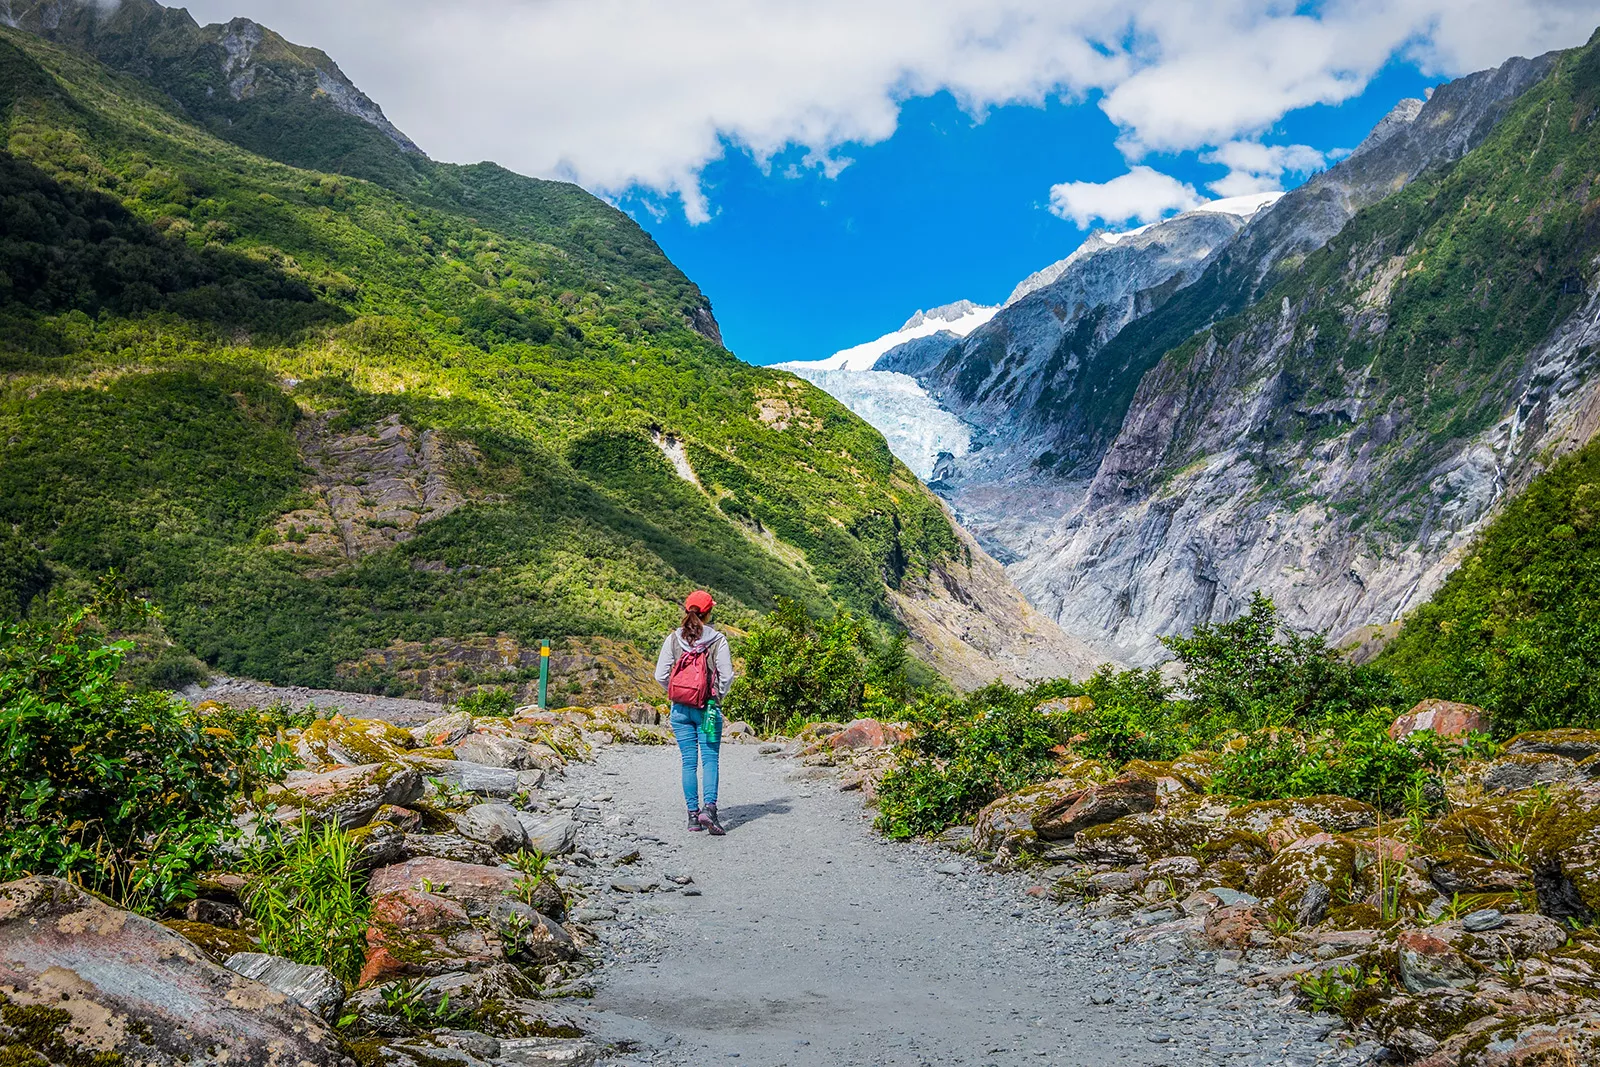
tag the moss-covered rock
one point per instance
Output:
(1334, 814)
(217, 942)
(344, 742)
(1196, 769)
(1555, 1040)
(1107, 802)
(1523, 770)
(418, 933)
(350, 796)
(1009, 821)
(1325, 858)
(1570, 744)
(1470, 874)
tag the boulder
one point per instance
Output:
(642, 714)
(1095, 806)
(413, 932)
(498, 750)
(349, 796)
(1557, 1040)
(494, 825)
(865, 733)
(1469, 874)
(378, 845)
(1334, 814)
(1444, 717)
(1008, 822)
(498, 782)
(343, 742)
(470, 991)
(443, 731)
(214, 913)
(395, 815)
(449, 847)
(1239, 926)
(476, 888)
(554, 835)
(1514, 936)
(97, 985)
(313, 988)
(1196, 769)
(1571, 744)
(530, 936)
(1429, 962)
(1523, 770)
(1322, 858)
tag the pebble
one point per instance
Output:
(1485, 919)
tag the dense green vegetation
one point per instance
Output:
(119, 789)
(179, 316)
(797, 669)
(1301, 721)
(1516, 627)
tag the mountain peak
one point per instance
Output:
(949, 313)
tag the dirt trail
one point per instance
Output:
(814, 941)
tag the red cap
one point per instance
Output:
(700, 601)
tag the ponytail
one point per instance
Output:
(693, 625)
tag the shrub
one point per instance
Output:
(965, 753)
(1250, 673)
(119, 790)
(303, 897)
(1355, 758)
(798, 670)
(488, 703)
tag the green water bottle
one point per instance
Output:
(711, 725)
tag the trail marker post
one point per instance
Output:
(544, 674)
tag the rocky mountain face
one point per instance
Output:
(1339, 442)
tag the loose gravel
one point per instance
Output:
(802, 937)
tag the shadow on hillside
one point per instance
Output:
(66, 248)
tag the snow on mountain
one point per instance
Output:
(960, 318)
(1244, 207)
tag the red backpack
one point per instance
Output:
(691, 680)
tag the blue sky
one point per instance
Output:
(799, 265)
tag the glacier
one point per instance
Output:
(917, 429)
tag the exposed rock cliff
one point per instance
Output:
(1339, 443)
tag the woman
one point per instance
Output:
(698, 740)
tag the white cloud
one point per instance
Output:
(1141, 195)
(618, 94)
(1258, 168)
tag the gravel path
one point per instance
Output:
(814, 941)
(243, 693)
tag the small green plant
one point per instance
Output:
(304, 899)
(448, 795)
(1334, 989)
(488, 703)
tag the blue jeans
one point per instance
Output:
(697, 752)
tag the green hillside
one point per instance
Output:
(193, 334)
(1516, 627)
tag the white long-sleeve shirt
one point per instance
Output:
(721, 657)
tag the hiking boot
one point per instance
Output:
(694, 822)
(708, 820)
